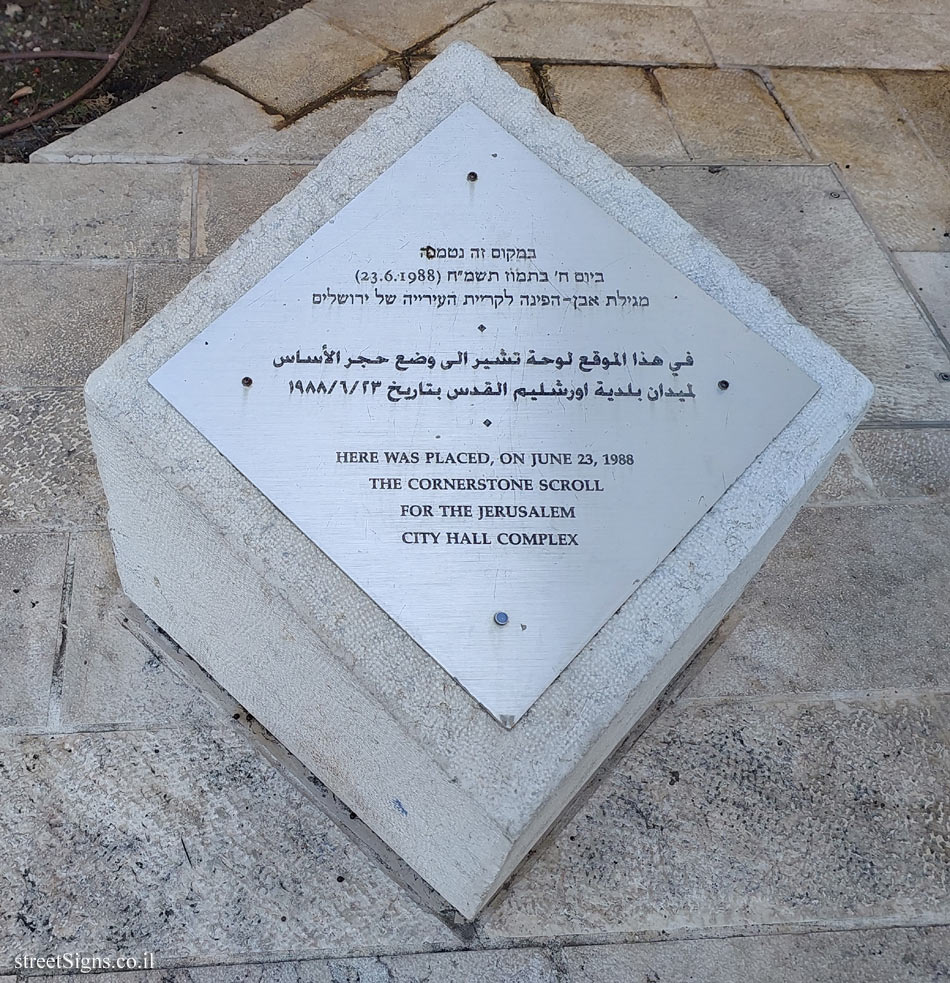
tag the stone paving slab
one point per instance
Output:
(48, 474)
(908, 464)
(294, 61)
(582, 32)
(58, 323)
(231, 198)
(108, 676)
(192, 846)
(735, 814)
(794, 230)
(395, 24)
(924, 96)
(617, 108)
(826, 38)
(32, 567)
(728, 115)
(190, 118)
(929, 275)
(903, 191)
(104, 211)
(855, 620)
(890, 955)
(313, 136)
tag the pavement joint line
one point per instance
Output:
(15, 529)
(722, 162)
(765, 77)
(656, 87)
(542, 85)
(324, 100)
(129, 294)
(111, 262)
(215, 76)
(353, 32)
(193, 227)
(877, 502)
(817, 697)
(545, 943)
(905, 424)
(702, 34)
(54, 712)
(40, 389)
(414, 48)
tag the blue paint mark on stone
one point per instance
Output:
(399, 807)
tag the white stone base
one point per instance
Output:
(258, 605)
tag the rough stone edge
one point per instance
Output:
(715, 550)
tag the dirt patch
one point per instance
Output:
(176, 35)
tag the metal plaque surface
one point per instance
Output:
(490, 404)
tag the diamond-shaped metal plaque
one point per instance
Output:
(490, 404)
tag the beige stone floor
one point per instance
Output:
(788, 816)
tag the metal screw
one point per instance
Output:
(247, 382)
(472, 176)
(501, 619)
(943, 376)
(723, 383)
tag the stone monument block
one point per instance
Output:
(452, 461)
